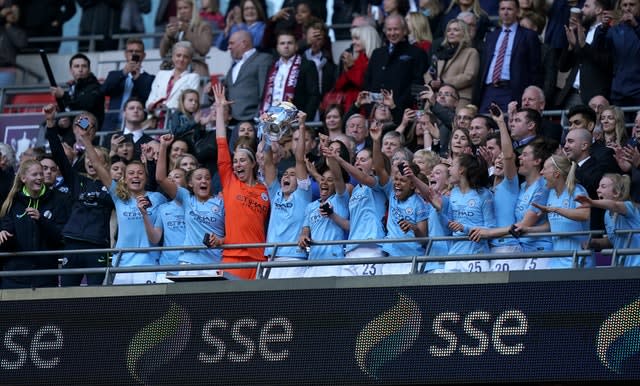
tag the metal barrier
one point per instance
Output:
(263, 267)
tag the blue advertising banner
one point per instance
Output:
(501, 332)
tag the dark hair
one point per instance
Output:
(133, 99)
(117, 158)
(489, 122)
(261, 14)
(542, 149)
(285, 32)
(513, 1)
(135, 41)
(476, 170)
(344, 154)
(496, 137)
(586, 111)
(532, 116)
(80, 56)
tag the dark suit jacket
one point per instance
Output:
(137, 146)
(396, 71)
(307, 94)
(594, 63)
(590, 173)
(246, 91)
(551, 130)
(525, 68)
(113, 87)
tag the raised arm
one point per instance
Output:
(169, 187)
(510, 170)
(301, 167)
(612, 205)
(375, 131)
(331, 157)
(90, 151)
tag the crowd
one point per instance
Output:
(432, 126)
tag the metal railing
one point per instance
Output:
(263, 267)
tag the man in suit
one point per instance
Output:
(533, 98)
(398, 65)
(292, 78)
(510, 61)
(133, 113)
(594, 158)
(246, 78)
(589, 64)
(131, 81)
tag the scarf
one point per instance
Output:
(289, 85)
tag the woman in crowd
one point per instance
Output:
(473, 6)
(419, 31)
(364, 40)
(456, 62)
(31, 219)
(186, 162)
(613, 126)
(621, 213)
(177, 150)
(563, 212)
(128, 194)
(203, 213)
(88, 225)
(333, 122)
(289, 199)
(188, 27)
(168, 85)
(253, 20)
(246, 200)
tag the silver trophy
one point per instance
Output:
(276, 122)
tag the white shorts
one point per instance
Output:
(499, 265)
(323, 271)
(363, 269)
(134, 278)
(287, 272)
(467, 266)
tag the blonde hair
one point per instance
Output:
(195, 13)
(369, 38)
(419, 26)
(431, 158)
(17, 185)
(122, 192)
(619, 130)
(567, 168)
(476, 9)
(621, 185)
(466, 38)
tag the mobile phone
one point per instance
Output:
(495, 110)
(376, 97)
(206, 239)
(173, 19)
(148, 204)
(84, 123)
(513, 232)
(327, 208)
(401, 167)
(135, 58)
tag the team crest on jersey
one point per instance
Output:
(565, 203)
(471, 203)
(264, 196)
(409, 211)
(215, 209)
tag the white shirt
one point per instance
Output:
(281, 79)
(137, 134)
(236, 68)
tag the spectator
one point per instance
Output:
(245, 80)
(364, 40)
(131, 16)
(419, 31)
(613, 127)
(131, 81)
(51, 173)
(100, 17)
(168, 84)
(91, 206)
(589, 64)
(210, 12)
(510, 61)
(333, 121)
(533, 98)
(252, 20)
(31, 219)
(623, 40)
(246, 200)
(457, 6)
(7, 160)
(188, 28)
(479, 129)
(46, 18)
(292, 78)
(524, 128)
(358, 128)
(84, 91)
(455, 62)
(319, 53)
(12, 39)
(133, 113)
(397, 66)
(166, 11)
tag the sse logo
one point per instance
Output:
(396, 330)
(618, 341)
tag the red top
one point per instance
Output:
(351, 81)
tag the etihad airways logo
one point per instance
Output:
(396, 331)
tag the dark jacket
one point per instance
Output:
(91, 203)
(87, 95)
(113, 87)
(100, 17)
(34, 235)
